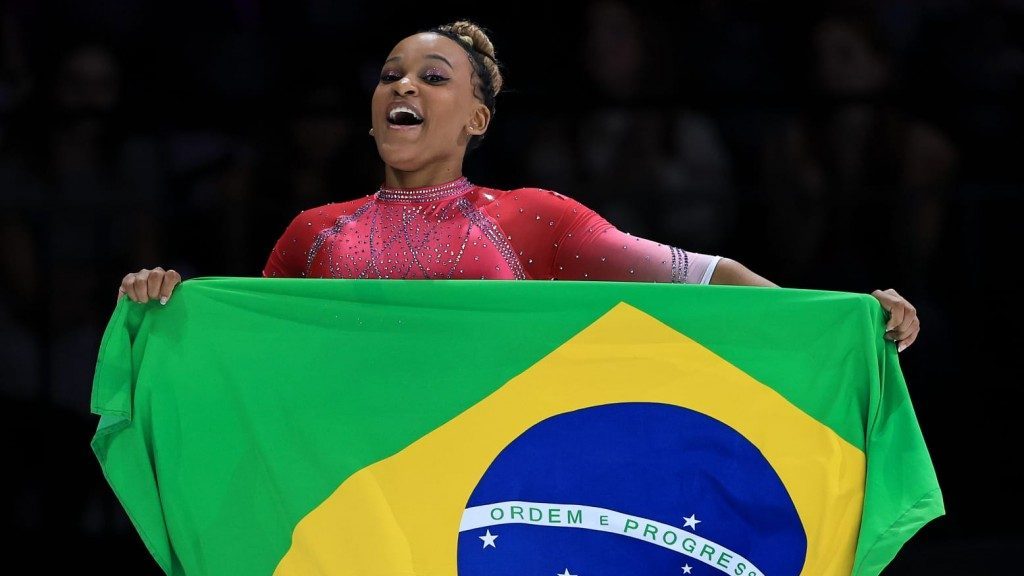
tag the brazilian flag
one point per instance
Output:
(443, 428)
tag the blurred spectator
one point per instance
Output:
(211, 181)
(658, 170)
(80, 199)
(79, 206)
(859, 190)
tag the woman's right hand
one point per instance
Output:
(146, 285)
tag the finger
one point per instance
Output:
(140, 287)
(896, 314)
(894, 299)
(122, 290)
(886, 301)
(156, 278)
(909, 340)
(909, 317)
(129, 287)
(171, 279)
(906, 329)
(911, 331)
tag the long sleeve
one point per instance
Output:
(560, 238)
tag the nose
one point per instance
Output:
(405, 86)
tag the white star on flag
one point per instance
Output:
(489, 539)
(566, 573)
(687, 569)
(691, 522)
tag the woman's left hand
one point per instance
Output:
(903, 324)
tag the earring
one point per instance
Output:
(371, 131)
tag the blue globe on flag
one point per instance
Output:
(630, 488)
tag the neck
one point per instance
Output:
(427, 176)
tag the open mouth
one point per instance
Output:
(405, 117)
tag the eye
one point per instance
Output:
(389, 77)
(434, 78)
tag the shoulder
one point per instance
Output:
(288, 258)
(305, 225)
(325, 215)
(527, 204)
(526, 196)
(538, 212)
(535, 194)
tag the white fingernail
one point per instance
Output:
(163, 300)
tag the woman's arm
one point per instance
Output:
(732, 272)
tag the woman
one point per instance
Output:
(435, 101)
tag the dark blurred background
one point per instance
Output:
(855, 146)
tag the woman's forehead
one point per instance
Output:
(424, 43)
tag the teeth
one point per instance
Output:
(394, 112)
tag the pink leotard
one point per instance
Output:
(461, 230)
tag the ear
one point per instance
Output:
(479, 120)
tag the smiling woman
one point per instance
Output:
(435, 101)
(447, 80)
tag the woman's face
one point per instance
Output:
(425, 106)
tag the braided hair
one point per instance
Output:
(473, 39)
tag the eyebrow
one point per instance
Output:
(434, 56)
